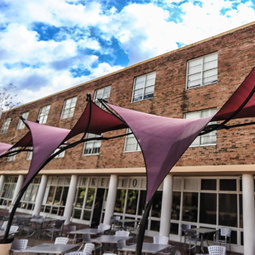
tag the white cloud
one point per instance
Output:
(143, 30)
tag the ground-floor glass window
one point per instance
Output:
(130, 202)
(55, 195)
(207, 202)
(28, 200)
(89, 203)
(8, 190)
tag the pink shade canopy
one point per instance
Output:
(162, 140)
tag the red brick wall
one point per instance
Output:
(236, 53)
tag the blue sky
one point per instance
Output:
(50, 45)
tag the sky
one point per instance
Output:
(48, 46)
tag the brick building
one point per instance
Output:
(207, 186)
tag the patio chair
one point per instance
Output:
(184, 227)
(4, 225)
(223, 237)
(61, 240)
(115, 224)
(217, 250)
(25, 225)
(88, 248)
(86, 238)
(120, 245)
(72, 237)
(19, 245)
(160, 239)
(122, 233)
(191, 238)
(104, 228)
(57, 228)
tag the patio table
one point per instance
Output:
(91, 231)
(147, 247)
(111, 239)
(41, 221)
(49, 248)
(204, 232)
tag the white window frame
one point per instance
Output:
(202, 71)
(5, 125)
(209, 138)
(21, 124)
(29, 154)
(43, 114)
(62, 153)
(103, 93)
(11, 158)
(91, 147)
(143, 87)
(131, 144)
(68, 108)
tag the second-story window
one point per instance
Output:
(209, 138)
(144, 87)
(68, 108)
(21, 124)
(92, 147)
(131, 144)
(202, 71)
(62, 153)
(5, 125)
(30, 154)
(103, 93)
(11, 157)
(43, 114)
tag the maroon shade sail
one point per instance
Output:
(237, 99)
(45, 141)
(162, 140)
(96, 121)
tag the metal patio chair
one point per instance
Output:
(223, 237)
(57, 228)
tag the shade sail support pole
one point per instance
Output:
(142, 227)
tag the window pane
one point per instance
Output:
(132, 201)
(120, 200)
(175, 213)
(208, 184)
(90, 198)
(156, 205)
(228, 210)
(208, 210)
(206, 67)
(190, 203)
(228, 184)
(144, 87)
(80, 197)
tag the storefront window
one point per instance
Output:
(190, 202)
(175, 213)
(228, 210)
(120, 201)
(208, 210)
(156, 205)
(132, 201)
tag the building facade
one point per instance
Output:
(212, 185)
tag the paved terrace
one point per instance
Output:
(45, 239)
